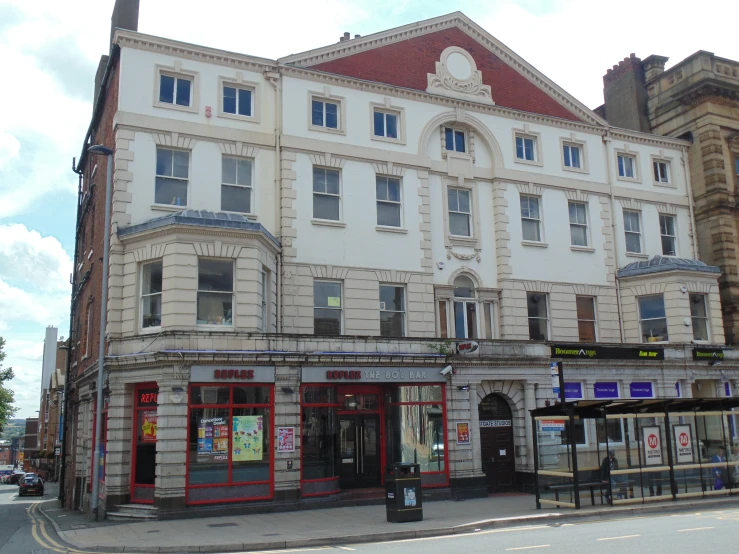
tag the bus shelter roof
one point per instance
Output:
(593, 409)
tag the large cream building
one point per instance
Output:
(299, 247)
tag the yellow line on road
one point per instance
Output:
(617, 538)
(695, 529)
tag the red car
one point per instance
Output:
(31, 483)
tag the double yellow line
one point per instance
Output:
(42, 537)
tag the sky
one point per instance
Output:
(49, 50)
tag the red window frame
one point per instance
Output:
(230, 406)
(137, 407)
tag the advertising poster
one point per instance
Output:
(552, 425)
(463, 433)
(652, 446)
(286, 439)
(149, 426)
(213, 438)
(409, 496)
(683, 444)
(247, 438)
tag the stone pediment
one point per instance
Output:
(457, 76)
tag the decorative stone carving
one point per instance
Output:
(464, 257)
(457, 76)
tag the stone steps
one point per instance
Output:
(133, 512)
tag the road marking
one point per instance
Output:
(466, 535)
(346, 548)
(617, 538)
(527, 547)
(695, 529)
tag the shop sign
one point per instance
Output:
(708, 354)
(683, 444)
(463, 433)
(606, 352)
(149, 426)
(727, 389)
(467, 347)
(605, 390)
(652, 446)
(641, 390)
(573, 391)
(286, 439)
(496, 423)
(231, 374)
(552, 424)
(372, 375)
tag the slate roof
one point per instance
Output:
(659, 264)
(200, 218)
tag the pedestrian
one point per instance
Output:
(718, 472)
(610, 463)
(735, 458)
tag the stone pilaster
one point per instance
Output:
(118, 447)
(287, 414)
(171, 457)
(529, 402)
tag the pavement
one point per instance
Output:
(333, 526)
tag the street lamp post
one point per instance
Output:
(108, 152)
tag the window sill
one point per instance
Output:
(326, 130)
(575, 169)
(168, 208)
(458, 239)
(238, 117)
(665, 185)
(327, 223)
(212, 327)
(534, 243)
(528, 162)
(388, 139)
(656, 342)
(628, 179)
(581, 248)
(637, 255)
(151, 330)
(385, 229)
(176, 107)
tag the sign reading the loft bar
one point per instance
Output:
(708, 354)
(372, 375)
(606, 352)
(232, 374)
(652, 446)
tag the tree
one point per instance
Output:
(7, 410)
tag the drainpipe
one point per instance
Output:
(609, 182)
(686, 170)
(274, 79)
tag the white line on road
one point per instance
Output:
(616, 538)
(527, 547)
(695, 529)
(346, 548)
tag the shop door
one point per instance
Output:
(359, 450)
(496, 443)
(144, 444)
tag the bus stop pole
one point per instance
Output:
(536, 460)
(670, 461)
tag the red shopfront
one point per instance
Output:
(231, 423)
(357, 422)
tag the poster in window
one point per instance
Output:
(247, 438)
(286, 439)
(213, 438)
(149, 426)
(463, 433)
(652, 446)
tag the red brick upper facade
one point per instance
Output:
(407, 63)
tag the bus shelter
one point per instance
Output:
(635, 451)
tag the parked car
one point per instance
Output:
(31, 483)
(15, 478)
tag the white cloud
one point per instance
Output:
(28, 258)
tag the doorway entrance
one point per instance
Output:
(359, 450)
(144, 443)
(496, 443)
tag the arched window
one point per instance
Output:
(465, 308)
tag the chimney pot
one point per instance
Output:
(357, 36)
(632, 55)
(347, 36)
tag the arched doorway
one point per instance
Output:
(496, 443)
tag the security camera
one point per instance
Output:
(447, 370)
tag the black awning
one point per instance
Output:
(589, 409)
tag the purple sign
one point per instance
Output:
(727, 388)
(573, 391)
(641, 390)
(606, 389)
(677, 389)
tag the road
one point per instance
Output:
(17, 516)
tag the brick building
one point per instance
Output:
(365, 254)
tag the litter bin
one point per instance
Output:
(403, 498)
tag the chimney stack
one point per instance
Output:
(625, 95)
(345, 37)
(125, 16)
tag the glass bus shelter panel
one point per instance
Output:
(555, 477)
(712, 452)
(686, 455)
(653, 458)
(731, 419)
(622, 456)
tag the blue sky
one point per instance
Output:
(51, 49)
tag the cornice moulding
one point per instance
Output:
(177, 229)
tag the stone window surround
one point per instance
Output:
(675, 236)
(252, 215)
(541, 243)
(482, 296)
(234, 271)
(170, 207)
(526, 132)
(329, 222)
(572, 141)
(342, 318)
(387, 107)
(588, 235)
(449, 239)
(326, 96)
(176, 70)
(667, 160)
(641, 253)
(239, 83)
(595, 321)
(402, 228)
(403, 286)
(548, 304)
(625, 151)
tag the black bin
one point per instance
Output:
(403, 498)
